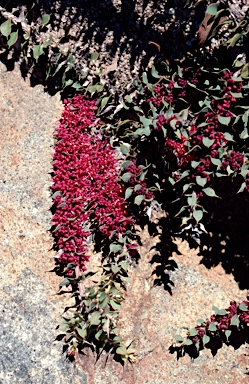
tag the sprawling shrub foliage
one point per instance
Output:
(88, 200)
(222, 327)
(195, 120)
(167, 142)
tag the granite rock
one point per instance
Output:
(30, 308)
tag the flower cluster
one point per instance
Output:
(161, 121)
(201, 138)
(136, 181)
(221, 321)
(235, 161)
(176, 89)
(160, 95)
(85, 185)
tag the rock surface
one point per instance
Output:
(29, 307)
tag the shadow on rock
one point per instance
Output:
(238, 337)
(122, 32)
(163, 251)
(227, 237)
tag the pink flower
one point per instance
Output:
(85, 183)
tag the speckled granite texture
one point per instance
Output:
(29, 308)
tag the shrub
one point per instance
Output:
(191, 128)
(220, 328)
(86, 191)
(89, 200)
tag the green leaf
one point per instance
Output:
(212, 9)
(37, 51)
(102, 296)
(117, 339)
(98, 334)
(139, 132)
(45, 19)
(245, 71)
(228, 333)
(228, 136)
(237, 95)
(81, 332)
(146, 131)
(205, 339)
(184, 174)
(138, 199)
(193, 332)
(94, 56)
(13, 38)
(76, 85)
(64, 283)
(235, 320)
(128, 193)
(192, 201)
(243, 185)
(124, 149)
(68, 82)
(181, 210)
(172, 181)
(95, 318)
(244, 170)
(234, 39)
(57, 193)
(222, 312)
(126, 164)
(114, 248)
(229, 170)
(207, 142)
(154, 72)
(238, 63)
(245, 118)
(64, 327)
(216, 162)
(195, 164)
(63, 320)
(244, 134)
(104, 102)
(200, 321)
(201, 181)
(218, 174)
(125, 267)
(225, 120)
(198, 214)
(210, 192)
(121, 350)
(212, 327)
(179, 338)
(115, 268)
(128, 99)
(137, 187)
(145, 78)
(188, 342)
(216, 310)
(243, 307)
(115, 305)
(104, 303)
(5, 28)
(146, 122)
(197, 345)
(126, 177)
(185, 187)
